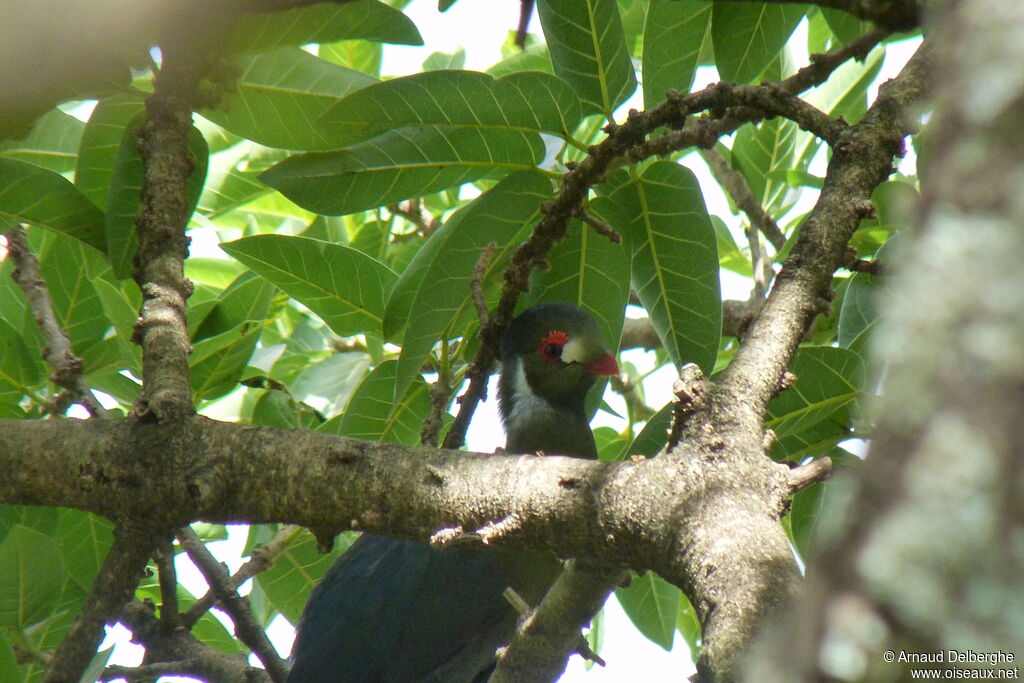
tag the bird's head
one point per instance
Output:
(555, 352)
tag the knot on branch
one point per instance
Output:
(690, 391)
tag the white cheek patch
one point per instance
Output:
(520, 385)
(573, 351)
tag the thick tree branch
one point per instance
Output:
(221, 472)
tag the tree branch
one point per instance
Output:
(246, 628)
(110, 592)
(537, 651)
(894, 15)
(861, 160)
(67, 367)
(162, 328)
(738, 105)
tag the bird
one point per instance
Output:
(395, 611)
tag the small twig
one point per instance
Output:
(599, 226)
(67, 367)
(690, 395)
(476, 282)
(733, 182)
(261, 559)
(168, 577)
(809, 473)
(525, 12)
(246, 628)
(412, 211)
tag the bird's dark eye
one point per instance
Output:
(550, 347)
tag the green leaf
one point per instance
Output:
(101, 141)
(590, 271)
(803, 515)
(845, 93)
(282, 94)
(84, 539)
(69, 270)
(232, 181)
(529, 102)
(373, 415)
(859, 308)
(674, 37)
(748, 35)
(402, 163)
(433, 293)
(588, 50)
(30, 194)
(651, 603)
(762, 153)
(228, 335)
(442, 60)
(124, 195)
(19, 368)
(286, 585)
(278, 409)
(342, 285)
(31, 577)
(844, 25)
(329, 383)
(675, 261)
(322, 23)
(829, 380)
(689, 625)
(51, 144)
(653, 437)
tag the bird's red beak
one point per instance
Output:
(605, 365)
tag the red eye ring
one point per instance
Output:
(550, 347)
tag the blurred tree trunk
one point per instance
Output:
(925, 552)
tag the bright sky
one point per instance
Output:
(481, 28)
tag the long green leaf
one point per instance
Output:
(402, 163)
(52, 143)
(588, 50)
(372, 413)
(342, 285)
(528, 101)
(31, 577)
(322, 23)
(651, 603)
(30, 194)
(675, 259)
(748, 35)
(100, 143)
(433, 294)
(829, 380)
(674, 35)
(282, 94)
